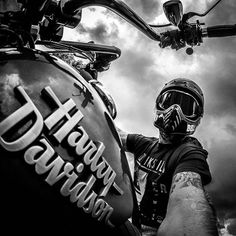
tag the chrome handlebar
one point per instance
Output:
(68, 13)
(69, 7)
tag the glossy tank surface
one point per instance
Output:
(61, 165)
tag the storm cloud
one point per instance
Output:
(100, 33)
(146, 9)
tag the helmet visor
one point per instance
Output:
(186, 101)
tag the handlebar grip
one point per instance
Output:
(220, 31)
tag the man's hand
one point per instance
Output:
(171, 38)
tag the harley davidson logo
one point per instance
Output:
(89, 180)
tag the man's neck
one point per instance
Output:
(169, 139)
(164, 139)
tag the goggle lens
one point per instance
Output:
(187, 102)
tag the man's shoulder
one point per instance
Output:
(191, 144)
(143, 138)
(191, 141)
(140, 142)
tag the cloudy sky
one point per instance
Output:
(135, 79)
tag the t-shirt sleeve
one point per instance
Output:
(137, 143)
(195, 160)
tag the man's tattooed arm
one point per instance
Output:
(189, 212)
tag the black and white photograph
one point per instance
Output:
(118, 117)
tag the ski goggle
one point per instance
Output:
(188, 104)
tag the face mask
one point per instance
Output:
(170, 121)
(177, 112)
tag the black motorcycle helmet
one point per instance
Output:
(182, 101)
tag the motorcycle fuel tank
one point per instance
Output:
(62, 165)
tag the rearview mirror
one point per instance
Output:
(173, 10)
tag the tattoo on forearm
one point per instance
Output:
(196, 199)
(185, 179)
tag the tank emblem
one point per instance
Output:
(88, 178)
